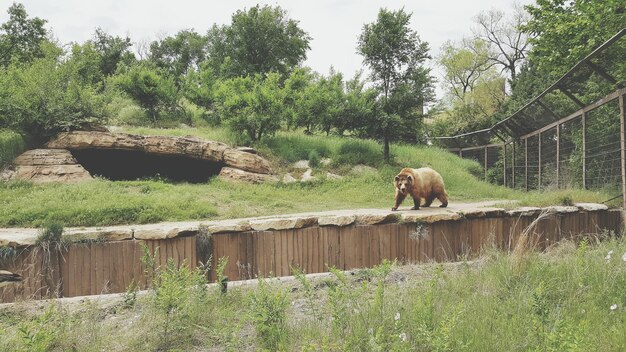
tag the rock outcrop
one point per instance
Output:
(56, 163)
(48, 165)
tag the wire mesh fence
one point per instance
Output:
(570, 136)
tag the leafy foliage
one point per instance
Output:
(153, 90)
(252, 104)
(21, 37)
(258, 41)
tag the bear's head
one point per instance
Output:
(403, 182)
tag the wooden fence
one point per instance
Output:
(110, 267)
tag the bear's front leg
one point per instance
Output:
(416, 203)
(398, 200)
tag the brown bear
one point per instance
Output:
(420, 183)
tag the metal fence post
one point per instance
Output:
(485, 165)
(558, 154)
(526, 163)
(539, 177)
(584, 132)
(623, 150)
(513, 165)
(504, 159)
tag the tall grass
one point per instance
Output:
(570, 298)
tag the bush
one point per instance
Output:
(314, 159)
(11, 145)
(293, 147)
(253, 106)
(47, 97)
(152, 89)
(356, 151)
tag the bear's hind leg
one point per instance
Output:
(443, 198)
(429, 201)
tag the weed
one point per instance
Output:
(40, 334)
(130, 296)
(222, 280)
(268, 307)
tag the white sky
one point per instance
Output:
(333, 25)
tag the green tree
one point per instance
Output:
(321, 104)
(152, 89)
(113, 51)
(252, 104)
(395, 55)
(566, 31)
(179, 54)
(21, 37)
(360, 106)
(48, 96)
(463, 65)
(258, 40)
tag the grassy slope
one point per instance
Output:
(103, 202)
(569, 299)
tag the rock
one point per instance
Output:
(307, 176)
(232, 174)
(331, 176)
(7, 174)
(52, 173)
(241, 158)
(524, 211)
(165, 230)
(214, 151)
(163, 145)
(373, 219)
(591, 206)
(246, 161)
(45, 157)
(288, 178)
(247, 150)
(227, 226)
(325, 161)
(106, 234)
(476, 213)
(561, 209)
(282, 223)
(430, 217)
(301, 164)
(97, 140)
(336, 220)
(362, 168)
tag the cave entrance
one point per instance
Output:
(119, 165)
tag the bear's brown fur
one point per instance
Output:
(420, 183)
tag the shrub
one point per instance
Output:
(152, 89)
(46, 97)
(11, 145)
(314, 159)
(356, 151)
(293, 147)
(253, 106)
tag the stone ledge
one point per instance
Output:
(23, 237)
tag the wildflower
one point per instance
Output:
(370, 331)
(624, 257)
(613, 306)
(397, 317)
(608, 255)
(403, 336)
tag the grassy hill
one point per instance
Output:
(103, 202)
